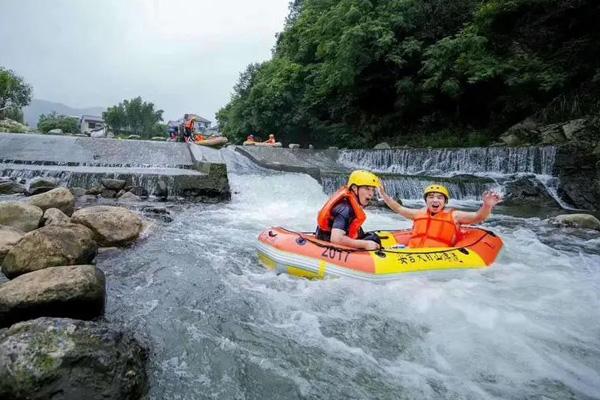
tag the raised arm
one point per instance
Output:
(407, 213)
(490, 199)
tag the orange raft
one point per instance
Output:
(301, 254)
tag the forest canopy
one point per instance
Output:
(421, 72)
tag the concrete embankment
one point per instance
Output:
(84, 162)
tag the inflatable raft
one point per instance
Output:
(264, 144)
(301, 254)
(215, 141)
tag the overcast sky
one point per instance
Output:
(182, 55)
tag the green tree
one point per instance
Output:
(57, 121)
(134, 117)
(14, 93)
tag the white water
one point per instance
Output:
(224, 327)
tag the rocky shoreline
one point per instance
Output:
(53, 338)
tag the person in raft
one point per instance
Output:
(250, 138)
(340, 219)
(438, 226)
(271, 139)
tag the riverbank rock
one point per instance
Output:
(128, 196)
(41, 185)
(382, 146)
(56, 358)
(50, 246)
(9, 237)
(583, 221)
(60, 198)
(528, 191)
(112, 226)
(113, 184)
(78, 191)
(22, 216)
(53, 216)
(76, 291)
(9, 186)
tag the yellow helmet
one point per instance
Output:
(363, 178)
(437, 189)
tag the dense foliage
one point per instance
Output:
(134, 117)
(56, 121)
(423, 72)
(14, 94)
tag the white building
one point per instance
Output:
(89, 123)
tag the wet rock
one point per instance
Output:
(139, 191)
(96, 190)
(134, 137)
(529, 191)
(60, 198)
(8, 186)
(583, 221)
(9, 237)
(128, 196)
(53, 216)
(382, 145)
(121, 193)
(161, 189)
(109, 193)
(41, 185)
(159, 213)
(50, 246)
(112, 226)
(59, 358)
(78, 191)
(56, 131)
(114, 184)
(22, 216)
(552, 134)
(294, 146)
(76, 291)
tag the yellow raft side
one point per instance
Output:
(424, 259)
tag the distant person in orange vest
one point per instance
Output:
(435, 225)
(271, 139)
(190, 128)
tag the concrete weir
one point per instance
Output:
(184, 170)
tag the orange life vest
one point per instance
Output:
(439, 230)
(325, 218)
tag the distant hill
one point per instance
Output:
(32, 112)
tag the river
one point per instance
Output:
(220, 326)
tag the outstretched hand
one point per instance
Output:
(491, 198)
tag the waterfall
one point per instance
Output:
(448, 162)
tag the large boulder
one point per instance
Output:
(9, 186)
(113, 184)
(53, 216)
(76, 291)
(60, 198)
(9, 237)
(128, 196)
(112, 226)
(41, 185)
(528, 191)
(50, 246)
(22, 216)
(584, 221)
(56, 358)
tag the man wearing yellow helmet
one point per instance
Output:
(435, 225)
(340, 219)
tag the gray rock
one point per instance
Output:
(139, 191)
(9, 237)
(96, 190)
(128, 196)
(114, 184)
(41, 185)
(53, 216)
(60, 198)
(381, 146)
(109, 193)
(333, 148)
(134, 137)
(50, 246)
(8, 186)
(528, 191)
(56, 358)
(583, 221)
(24, 217)
(78, 191)
(161, 189)
(573, 127)
(552, 134)
(112, 226)
(56, 131)
(76, 291)
(294, 146)
(310, 146)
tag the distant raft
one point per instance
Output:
(301, 254)
(215, 141)
(264, 144)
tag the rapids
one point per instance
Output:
(222, 327)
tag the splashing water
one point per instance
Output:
(221, 326)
